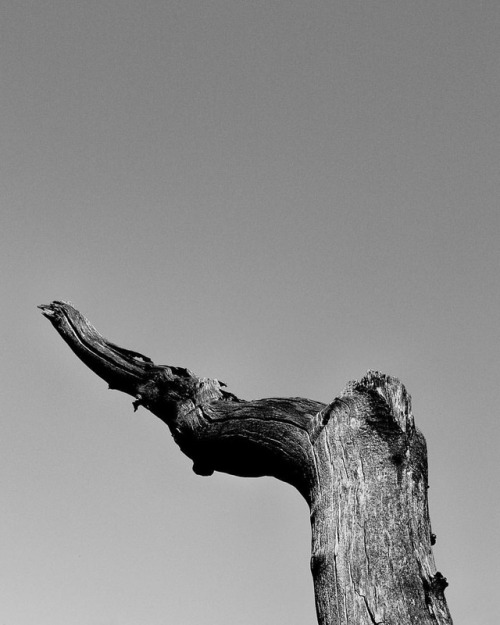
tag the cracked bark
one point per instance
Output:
(359, 462)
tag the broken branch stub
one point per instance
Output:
(359, 462)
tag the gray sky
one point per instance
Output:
(277, 194)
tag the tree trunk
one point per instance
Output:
(359, 462)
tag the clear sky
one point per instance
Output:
(279, 194)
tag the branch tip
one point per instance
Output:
(47, 310)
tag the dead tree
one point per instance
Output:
(359, 462)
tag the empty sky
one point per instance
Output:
(279, 194)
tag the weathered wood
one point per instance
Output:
(359, 462)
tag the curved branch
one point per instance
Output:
(213, 427)
(123, 369)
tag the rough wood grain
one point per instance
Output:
(359, 462)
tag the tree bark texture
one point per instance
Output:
(359, 462)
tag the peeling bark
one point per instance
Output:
(359, 462)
